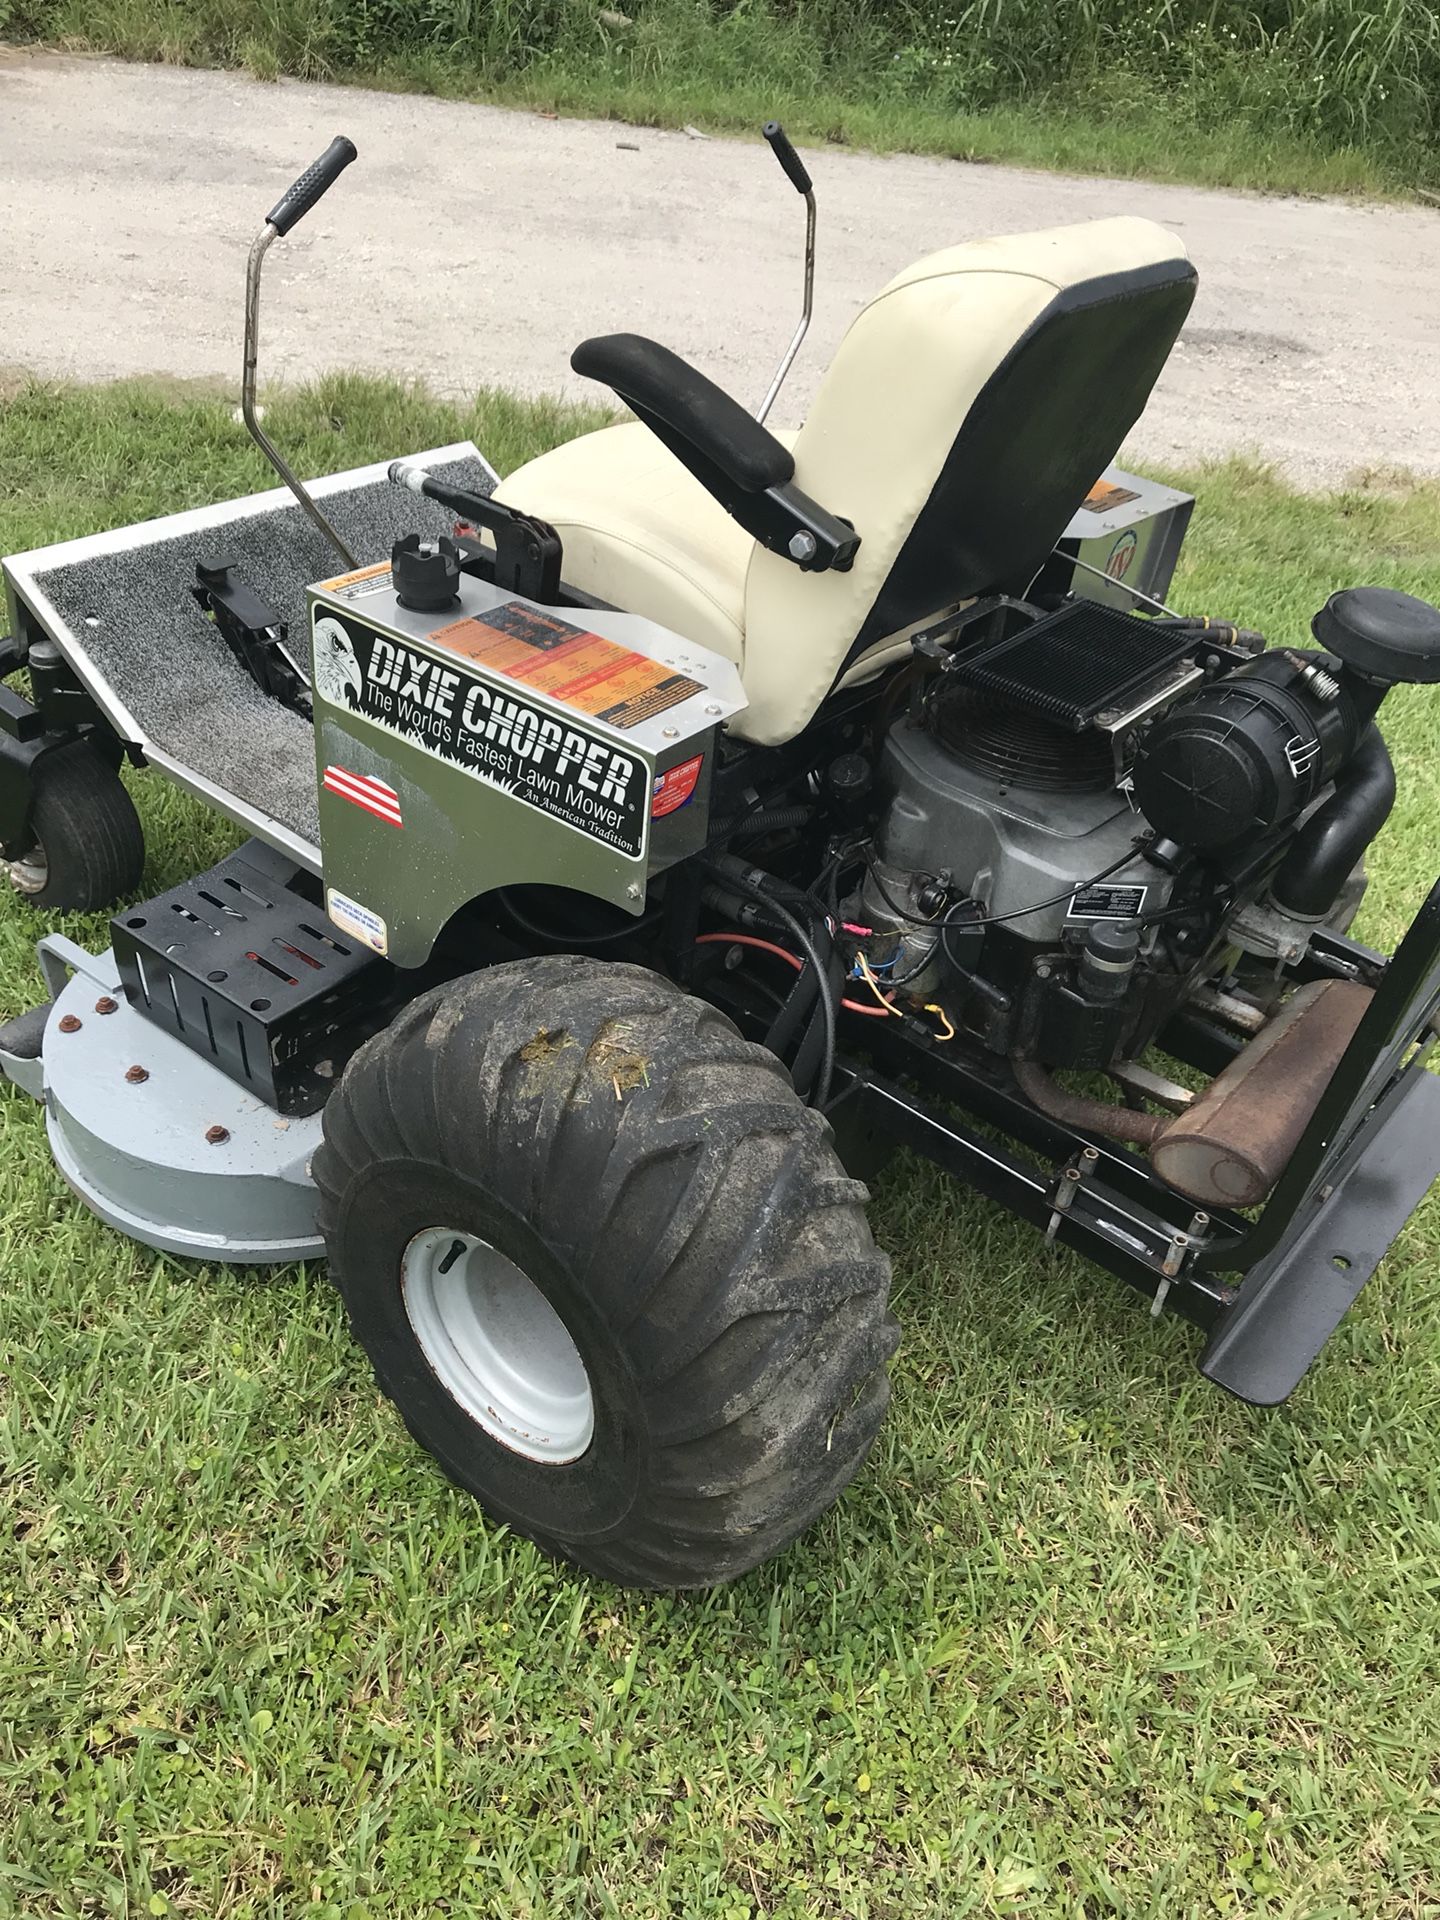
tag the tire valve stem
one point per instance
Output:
(452, 1254)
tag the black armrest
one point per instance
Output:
(744, 467)
(652, 380)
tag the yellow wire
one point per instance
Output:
(874, 984)
(940, 1013)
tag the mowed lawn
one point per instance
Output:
(1086, 1637)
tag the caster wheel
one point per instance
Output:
(89, 847)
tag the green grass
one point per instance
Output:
(1328, 96)
(1086, 1638)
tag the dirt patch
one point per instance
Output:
(131, 194)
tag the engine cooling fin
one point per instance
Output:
(1021, 749)
(1071, 665)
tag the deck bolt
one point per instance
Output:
(69, 1024)
(105, 1004)
(217, 1136)
(136, 1075)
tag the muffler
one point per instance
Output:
(1230, 1146)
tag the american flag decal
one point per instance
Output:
(363, 790)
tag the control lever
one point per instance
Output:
(293, 205)
(528, 553)
(799, 178)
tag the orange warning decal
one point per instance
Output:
(350, 579)
(1105, 496)
(574, 667)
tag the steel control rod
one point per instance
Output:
(799, 178)
(292, 205)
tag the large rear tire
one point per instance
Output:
(608, 1267)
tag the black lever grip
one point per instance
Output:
(790, 160)
(313, 184)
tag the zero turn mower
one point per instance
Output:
(646, 845)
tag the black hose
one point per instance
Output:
(820, 1092)
(1223, 632)
(1331, 842)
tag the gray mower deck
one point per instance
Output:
(119, 607)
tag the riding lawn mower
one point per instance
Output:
(646, 846)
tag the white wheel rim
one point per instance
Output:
(497, 1345)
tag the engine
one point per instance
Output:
(1090, 818)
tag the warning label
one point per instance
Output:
(355, 586)
(488, 729)
(1105, 496)
(569, 665)
(672, 790)
(353, 918)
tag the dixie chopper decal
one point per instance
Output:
(487, 729)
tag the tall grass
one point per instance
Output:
(1323, 77)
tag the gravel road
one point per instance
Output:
(473, 244)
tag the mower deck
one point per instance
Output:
(187, 704)
(154, 1139)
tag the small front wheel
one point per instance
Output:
(88, 847)
(608, 1267)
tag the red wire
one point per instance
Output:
(781, 953)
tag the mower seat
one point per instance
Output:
(967, 412)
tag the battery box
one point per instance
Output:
(496, 743)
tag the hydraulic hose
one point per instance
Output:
(1333, 839)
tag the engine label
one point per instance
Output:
(488, 728)
(1107, 903)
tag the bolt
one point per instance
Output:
(802, 546)
(714, 707)
(105, 1004)
(217, 1136)
(137, 1075)
(670, 733)
(69, 1024)
(1175, 1257)
(632, 892)
(1090, 1155)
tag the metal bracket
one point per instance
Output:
(1067, 1185)
(254, 633)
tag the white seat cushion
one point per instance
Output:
(642, 533)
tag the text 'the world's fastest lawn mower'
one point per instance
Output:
(648, 843)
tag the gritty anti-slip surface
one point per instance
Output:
(131, 614)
